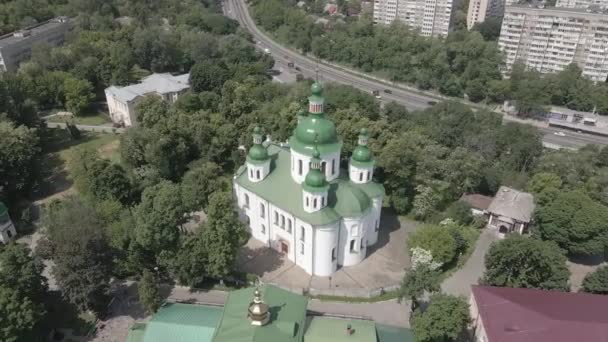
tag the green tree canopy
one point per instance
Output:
(18, 155)
(445, 319)
(436, 239)
(82, 256)
(519, 261)
(417, 281)
(576, 222)
(148, 292)
(597, 281)
(21, 272)
(18, 315)
(199, 183)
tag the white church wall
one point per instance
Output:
(304, 241)
(326, 160)
(374, 224)
(326, 249)
(282, 231)
(253, 211)
(300, 164)
(352, 234)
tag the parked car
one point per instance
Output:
(298, 68)
(432, 103)
(290, 65)
(376, 94)
(267, 51)
(560, 134)
(388, 91)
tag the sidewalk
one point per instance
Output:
(459, 284)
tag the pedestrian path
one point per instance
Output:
(459, 283)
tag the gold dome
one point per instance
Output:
(258, 312)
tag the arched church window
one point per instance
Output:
(369, 175)
(300, 167)
(257, 174)
(333, 166)
(246, 201)
(314, 203)
(360, 176)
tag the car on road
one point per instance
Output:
(298, 68)
(290, 65)
(432, 103)
(376, 93)
(560, 134)
(267, 51)
(388, 91)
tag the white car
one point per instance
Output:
(378, 97)
(267, 51)
(560, 134)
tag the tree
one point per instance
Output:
(460, 212)
(82, 256)
(18, 154)
(149, 295)
(437, 240)
(545, 186)
(191, 261)
(151, 110)
(158, 217)
(208, 76)
(21, 272)
(489, 28)
(222, 234)
(417, 281)
(519, 261)
(18, 315)
(576, 222)
(444, 320)
(198, 184)
(78, 94)
(597, 281)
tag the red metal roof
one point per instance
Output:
(528, 315)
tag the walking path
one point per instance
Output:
(459, 284)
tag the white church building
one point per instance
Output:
(297, 200)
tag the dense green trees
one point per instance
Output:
(519, 261)
(22, 291)
(147, 288)
(82, 256)
(597, 281)
(435, 239)
(417, 281)
(576, 222)
(18, 155)
(445, 319)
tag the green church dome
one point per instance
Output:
(316, 127)
(362, 154)
(258, 152)
(316, 89)
(315, 179)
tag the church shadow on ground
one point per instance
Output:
(389, 222)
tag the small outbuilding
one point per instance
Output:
(510, 211)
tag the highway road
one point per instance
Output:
(412, 100)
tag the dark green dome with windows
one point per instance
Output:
(315, 179)
(315, 128)
(257, 153)
(362, 156)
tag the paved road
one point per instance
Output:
(88, 128)
(410, 98)
(459, 284)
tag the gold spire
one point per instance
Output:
(258, 312)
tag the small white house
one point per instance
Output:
(122, 100)
(510, 211)
(7, 228)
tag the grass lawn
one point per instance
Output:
(59, 150)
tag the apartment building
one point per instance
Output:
(15, 47)
(122, 100)
(549, 39)
(601, 4)
(479, 10)
(430, 17)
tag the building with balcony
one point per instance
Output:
(122, 100)
(16, 47)
(296, 199)
(479, 10)
(549, 39)
(430, 17)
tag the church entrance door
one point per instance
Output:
(284, 247)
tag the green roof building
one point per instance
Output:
(297, 200)
(7, 228)
(264, 314)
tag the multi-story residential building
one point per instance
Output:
(602, 4)
(479, 10)
(549, 39)
(122, 100)
(17, 46)
(431, 17)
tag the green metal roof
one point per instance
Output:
(345, 199)
(287, 317)
(394, 334)
(325, 329)
(176, 322)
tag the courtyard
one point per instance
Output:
(382, 269)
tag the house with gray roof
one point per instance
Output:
(510, 211)
(122, 100)
(15, 47)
